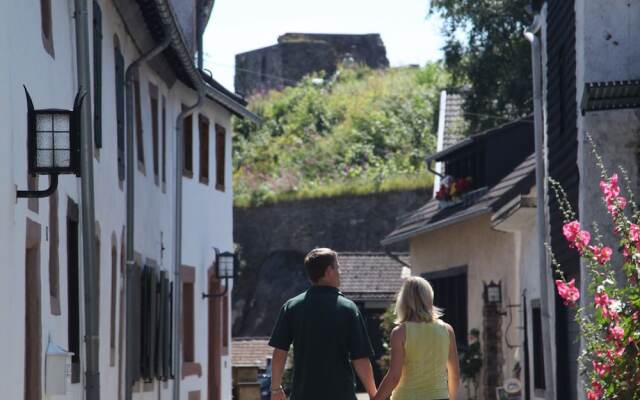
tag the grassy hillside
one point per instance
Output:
(359, 132)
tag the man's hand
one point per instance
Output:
(278, 395)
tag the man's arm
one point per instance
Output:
(278, 363)
(365, 373)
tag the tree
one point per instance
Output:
(486, 50)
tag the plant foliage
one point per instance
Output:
(610, 320)
(485, 48)
(359, 131)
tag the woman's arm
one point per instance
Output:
(392, 378)
(453, 365)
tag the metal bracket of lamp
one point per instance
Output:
(225, 266)
(53, 143)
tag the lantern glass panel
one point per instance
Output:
(493, 293)
(61, 122)
(225, 266)
(44, 122)
(62, 158)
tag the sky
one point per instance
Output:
(237, 26)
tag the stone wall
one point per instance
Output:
(274, 239)
(299, 54)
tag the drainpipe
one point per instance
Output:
(177, 286)
(541, 217)
(91, 284)
(130, 252)
(396, 258)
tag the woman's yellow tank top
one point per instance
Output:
(424, 374)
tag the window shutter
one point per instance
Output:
(97, 75)
(161, 327)
(133, 315)
(152, 319)
(169, 366)
(119, 61)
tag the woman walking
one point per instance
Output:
(424, 359)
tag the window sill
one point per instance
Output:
(204, 180)
(187, 174)
(191, 369)
(220, 187)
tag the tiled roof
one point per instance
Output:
(250, 352)
(454, 123)
(371, 276)
(431, 216)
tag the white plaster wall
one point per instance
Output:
(52, 83)
(489, 255)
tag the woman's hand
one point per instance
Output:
(278, 394)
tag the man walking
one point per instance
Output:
(328, 334)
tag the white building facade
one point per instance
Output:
(41, 279)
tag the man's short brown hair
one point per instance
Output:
(317, 262)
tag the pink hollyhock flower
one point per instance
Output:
(568, 291)
(610, 189)
(616, 332)
(602, 255)
(582, 240)
(570, 230)
(601, 368)
(602, 300)
(622, 202)
(634, 232)
(597, 388)
(591, 395)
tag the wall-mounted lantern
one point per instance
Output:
(57, 370)
(53, 143)
(225, 266)
(493, 292)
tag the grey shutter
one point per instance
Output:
(133, 315)
(119, 61)
(97, 75)
(161, 336)
(152, 319)
(170, 363)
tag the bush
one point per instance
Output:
(355, 132)
(609, 324)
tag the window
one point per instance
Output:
(97, 75)
(139, 133)
(203, 124)
(538, 352)
(220, 156)
(164, 141)
(54, 262)
(153, 97)
(73, 290)
(119, 62)
(187, 151)
(190, 367)
(188, 348)
(33, 322)
(47, 26)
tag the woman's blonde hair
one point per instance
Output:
(415, 302)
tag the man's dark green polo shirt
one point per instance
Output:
(327, 332)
